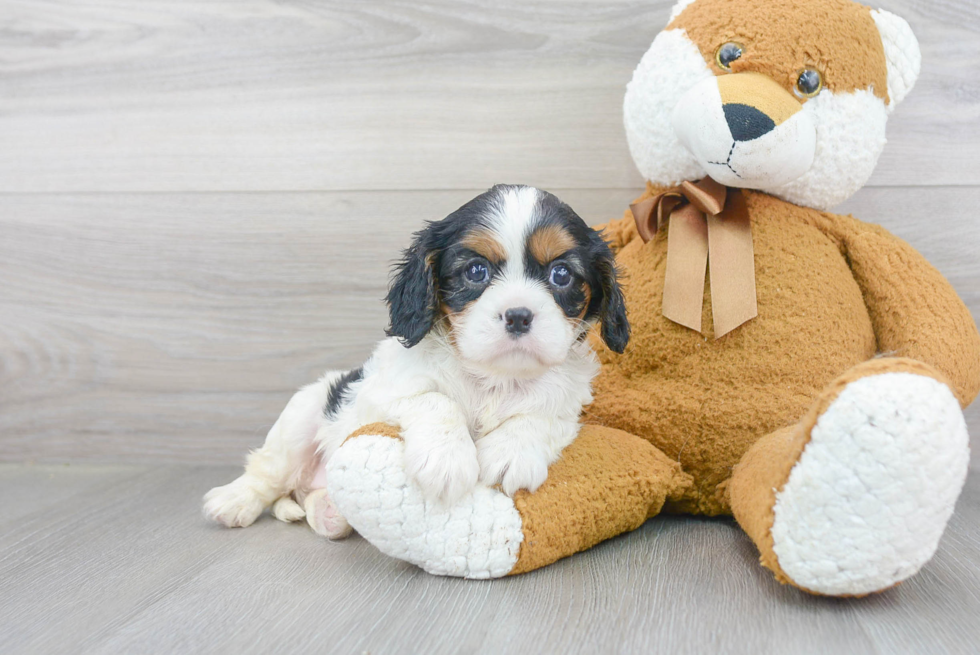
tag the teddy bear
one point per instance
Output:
(802, 371)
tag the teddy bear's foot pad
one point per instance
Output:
(478, 537)
(867, 501)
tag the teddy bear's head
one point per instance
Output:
(789, 97)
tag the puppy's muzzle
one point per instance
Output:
(746, 130)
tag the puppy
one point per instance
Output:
(485, 370)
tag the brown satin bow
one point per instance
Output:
(707, 222)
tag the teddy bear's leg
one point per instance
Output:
(607, 482)
(854, 498)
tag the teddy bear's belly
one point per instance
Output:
(705, 401)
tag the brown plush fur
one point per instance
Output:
(720, 423)
(836, 37)
(830, 297)
(606, 483)
(382, 429)
(765, 468)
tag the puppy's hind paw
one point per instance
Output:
(324, 517)
(234, 505)
(288, 510)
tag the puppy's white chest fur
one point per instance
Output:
(394, 373)
(562, 391)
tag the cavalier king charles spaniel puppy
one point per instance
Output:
(485, 371)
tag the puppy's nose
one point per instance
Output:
(747, 122)
(518, 320)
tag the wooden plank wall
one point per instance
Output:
(199, 200)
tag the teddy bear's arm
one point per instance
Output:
(915, 311)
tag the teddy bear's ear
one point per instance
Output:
(901, 53)
(678, 8)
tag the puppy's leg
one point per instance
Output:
(324, 517)
(439, 451)
(518, 453)
(277, 468)
(313, 502)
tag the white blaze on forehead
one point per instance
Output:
(513, 216)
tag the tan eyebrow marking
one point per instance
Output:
(587, 290)
(549, 243)
(484, 244)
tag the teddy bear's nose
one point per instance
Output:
(747, 122)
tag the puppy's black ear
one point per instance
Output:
(613, 324)
(412, 297)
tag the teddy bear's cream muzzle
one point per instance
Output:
(746, 131)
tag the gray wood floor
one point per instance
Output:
(116, 559)
(199, 202)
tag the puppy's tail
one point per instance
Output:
(284, 464)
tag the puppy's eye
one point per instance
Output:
(809, 83)
(728, 53)
(560, 276)
(477, 272)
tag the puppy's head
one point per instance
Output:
(512, 279)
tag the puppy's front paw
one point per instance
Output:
(444, 468)
(504, 460)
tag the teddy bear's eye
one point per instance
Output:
(809, 83)
(728, 53)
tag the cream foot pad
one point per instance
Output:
(869, 498)
(478, 537)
